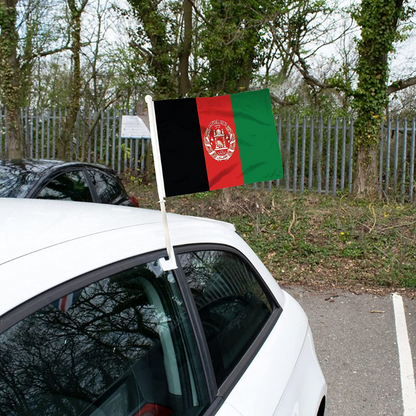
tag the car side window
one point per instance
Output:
(122, 346)
(107, 188)
(69, 186)
(231, 303)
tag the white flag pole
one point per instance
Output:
(169, 264)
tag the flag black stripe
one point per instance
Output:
(181, 147)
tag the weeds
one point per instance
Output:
(312, 239)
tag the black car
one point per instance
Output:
(55, 179)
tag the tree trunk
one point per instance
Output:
(378, 21)
(247, 75)
(184, 82)
(14, 134)
(63, 147)
(366, 182)
(9, 76)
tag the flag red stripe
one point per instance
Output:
(222, 157)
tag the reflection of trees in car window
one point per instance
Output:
(106, 187)
(232, 305)
(14, 183)
(70, 186)
(115, 344)
(215, 274)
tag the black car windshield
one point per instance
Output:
(15, 183)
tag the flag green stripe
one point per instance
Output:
(256, 136)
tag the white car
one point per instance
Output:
(90, 324)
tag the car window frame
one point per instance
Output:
(43, 299)
(226, 387)
(58, 172)
(121, 197)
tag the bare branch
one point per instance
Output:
(277, 100)
(332, 41)
(144, 52)
(199, 14)
(98, 115)
(401, 85)
(82, 6)
(309, 79)
(52, 51)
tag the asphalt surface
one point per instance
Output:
(356, 343)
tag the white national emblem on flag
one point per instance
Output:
(219, 140)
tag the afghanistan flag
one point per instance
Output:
(217, 142)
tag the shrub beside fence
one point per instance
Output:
(317, 152)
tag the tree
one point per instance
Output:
(297, 31)
(102, 60)
(156, 27)
(232, 43)
(9, 74)
(29, 32)
(75, 14)
(198, 47)
(404, 103)
(379, 22)
(51, 83)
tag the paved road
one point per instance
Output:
(356, 343)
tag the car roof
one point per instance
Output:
(30, 165)
(45, 243)
(41, 166)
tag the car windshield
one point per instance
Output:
(15, 183)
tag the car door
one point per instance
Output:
(263, 359)
(237, 313)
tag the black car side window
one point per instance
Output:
(231, 303)
(122, 346)
(107, 188)
(70, 186)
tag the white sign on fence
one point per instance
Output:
(133, 127)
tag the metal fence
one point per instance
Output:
(96, 138)
(317, 152)
(317, 155)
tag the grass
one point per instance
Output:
(310, 239)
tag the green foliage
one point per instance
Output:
(225, 46)
(379, 20)
(157, 26)
(231, 43)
